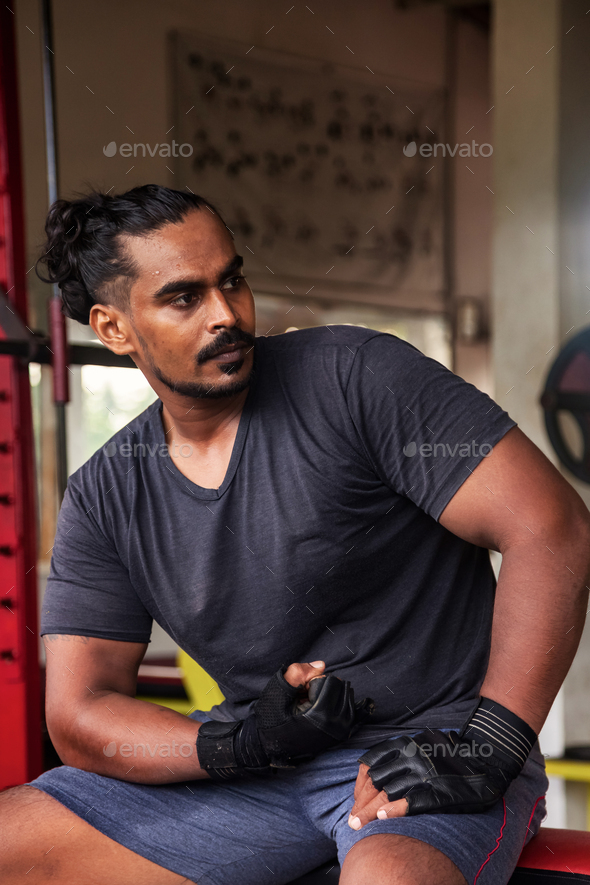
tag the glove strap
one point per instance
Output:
(250, 753)
(229, 750)
(509, 736)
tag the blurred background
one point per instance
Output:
(414, 166)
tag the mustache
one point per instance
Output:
(223, 340)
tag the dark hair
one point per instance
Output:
(83, 251)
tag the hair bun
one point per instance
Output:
(83, 252)
(66, 239)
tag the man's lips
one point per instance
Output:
(230, 356)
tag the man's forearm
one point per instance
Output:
(539, 612)
(121, 737)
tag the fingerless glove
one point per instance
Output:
(280, 733)
(454, 773)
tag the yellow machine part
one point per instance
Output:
(203, 692)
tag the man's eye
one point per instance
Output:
(235, 281)
(184, 300)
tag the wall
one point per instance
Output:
(574, 273)
(525, 308)
(112, 84)
(541, 263)
(112, 76)
(472, 190)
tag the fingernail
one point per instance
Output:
(354, 822)
(382, 814)
(317, 664)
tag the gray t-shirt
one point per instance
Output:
(322, 541)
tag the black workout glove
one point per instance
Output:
(282, 732)
(454, 773)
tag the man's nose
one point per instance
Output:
(219, 311)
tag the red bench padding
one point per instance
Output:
(567, 851)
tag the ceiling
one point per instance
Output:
(478, 12)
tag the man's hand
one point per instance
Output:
(300, 675)
(432, 773)
(368, 802)
(437, 773)
(291, 723)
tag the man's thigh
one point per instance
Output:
(252, 831)
(42, 841)
(483, 847)
(388, 859)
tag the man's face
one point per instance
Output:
(189, 303)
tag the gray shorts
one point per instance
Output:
(255, 832)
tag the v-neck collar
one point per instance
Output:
(167, 463)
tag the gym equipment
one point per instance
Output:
(567, 389)
(197, 690)
(57, 321)
(20, 710)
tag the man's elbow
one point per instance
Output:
(67, 739)
(582, 535)
(569, 532)
(557, 531)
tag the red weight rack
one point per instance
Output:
(20, 714)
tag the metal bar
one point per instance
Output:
(20, 348)
(59, 347)
(36, 350)
(57, 322)
(49, 100)
(414, 4)
(569, 769)
(449, 176)
(97, 355)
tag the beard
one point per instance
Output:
(198, 389)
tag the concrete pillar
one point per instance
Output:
(525, 293)
(574, 177)
(574, 277)
(472, 194)
(541, 244)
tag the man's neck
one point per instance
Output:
(200, 421)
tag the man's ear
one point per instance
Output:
(113, 328)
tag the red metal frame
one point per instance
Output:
(20, 711)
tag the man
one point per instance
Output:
(328, 495)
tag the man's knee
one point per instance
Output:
(389, 859)
(41, 834)
(20, 806)
(23, 817)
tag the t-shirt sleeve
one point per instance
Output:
(423, 428)
(88, 589)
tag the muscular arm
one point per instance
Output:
(91, 706)
(96, 723)
(516, 502)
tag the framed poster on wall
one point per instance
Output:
(305, 161)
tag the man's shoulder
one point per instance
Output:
(322, 354)
(333, 341)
